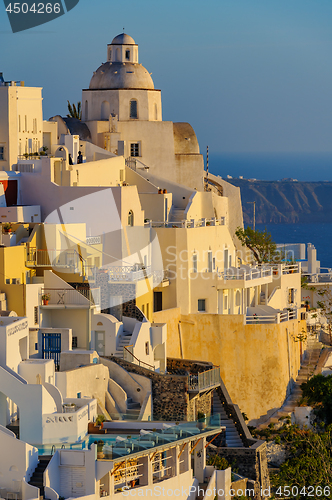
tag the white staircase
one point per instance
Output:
(177, 214)
(124, 341)
(233, 439)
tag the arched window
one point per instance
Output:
(133, 109)
(86, 111)
(130, 218)
(105, 110)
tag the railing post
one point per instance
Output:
(278, 318)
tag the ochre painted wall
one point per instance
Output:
(257, 362)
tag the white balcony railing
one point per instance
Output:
(129, 273)
(280, 269)
(234, 273)
(276, 318)
(204, 380)
(187, 223)
(70, 297)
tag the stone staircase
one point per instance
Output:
(176, 215)
(37, 478)
(308, 368)
(124, 341)
(202, 488)
(233, 439)
(133, 410)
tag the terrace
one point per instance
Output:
(187, 223)
(65, 298)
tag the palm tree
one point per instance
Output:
(75, 112)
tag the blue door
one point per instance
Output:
(52, 347)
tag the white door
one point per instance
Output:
(100, 343)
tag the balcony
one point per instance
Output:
(129, 273)
(69, 298)
(282, 269)
(278, 317)
(204, 380)
(66, 261)
(244, 277)
(187, 223)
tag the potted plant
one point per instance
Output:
(7, 227)
(99, 420)
(100, 446)
(201, 424)
(45, 298)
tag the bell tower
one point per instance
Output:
(123, 49)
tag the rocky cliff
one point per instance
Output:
(285, 201)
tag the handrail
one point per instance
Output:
(139, 361)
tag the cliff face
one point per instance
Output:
(285, 201)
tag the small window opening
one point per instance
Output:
(133, 109)
(201, 305)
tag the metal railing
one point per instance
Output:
(69, 259)
(69, 296)
(129, 356)
(204, 380)
(134, 163)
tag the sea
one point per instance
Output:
(308, 167)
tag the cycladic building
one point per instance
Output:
(123, 111)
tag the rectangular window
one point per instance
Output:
(34, 130)
(133, 109)
(147, 348)
(291, 296)
(35, 309)
(201, 305)
(127, 55)
(195, 263)
(210, 262)
(19, 123)
(74, 343)
(2, 153)
(121, 176)
(134, 149)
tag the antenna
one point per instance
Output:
(207, 168)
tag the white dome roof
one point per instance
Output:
(118, 75)
(123, 39)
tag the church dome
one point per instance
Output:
(123, 39)
(118, 75)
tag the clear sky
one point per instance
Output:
(249, 75)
